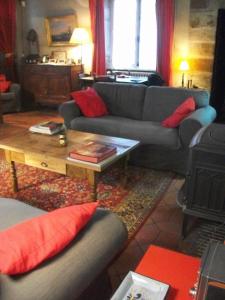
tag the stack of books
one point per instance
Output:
(49, 127)
(92, 152)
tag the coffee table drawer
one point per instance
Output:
(46, 163)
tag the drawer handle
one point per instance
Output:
(44, 164)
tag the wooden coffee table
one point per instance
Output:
(45, 152)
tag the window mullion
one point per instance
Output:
(138, 28)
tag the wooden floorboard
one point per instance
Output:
(16, 123)
(26, 119)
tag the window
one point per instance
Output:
(134, 34)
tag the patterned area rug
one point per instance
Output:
(48, 191)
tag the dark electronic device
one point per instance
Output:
(211, 283)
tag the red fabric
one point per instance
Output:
(27, 244)
(8, 33)
(98, 35)
(165, 27)
(90, 103)
(176, 269)
(4, 86)
(180, 113)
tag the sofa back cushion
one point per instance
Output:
(123, 100)
(160, 102)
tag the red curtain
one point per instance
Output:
(8, 33)
(165, 26)
(98, 35)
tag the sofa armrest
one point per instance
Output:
(190, 125)
(69, 110)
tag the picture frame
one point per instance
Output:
(59, 29)
(52, 61)
(59, 55)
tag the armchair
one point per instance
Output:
(11, 100)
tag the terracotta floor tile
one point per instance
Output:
(129, 258)
(162, 213)
(147, 234)
(144, 247)
(166, 240)
(169, 227)
(115, 282)
(149, 220)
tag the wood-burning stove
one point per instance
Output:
(203, 193)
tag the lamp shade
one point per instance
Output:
(79, 36)
(184, 66)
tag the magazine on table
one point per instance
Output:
(48, 127)
(92, 152)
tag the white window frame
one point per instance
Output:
(109, 4)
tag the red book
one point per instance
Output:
(93, 152)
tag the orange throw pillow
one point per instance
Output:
(90, 103)
(182, 111)
(25, 245)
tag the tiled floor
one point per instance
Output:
(162, 228)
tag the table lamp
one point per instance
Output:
(184, 66)
(79, 37)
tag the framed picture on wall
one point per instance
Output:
(59, 29)
(59, 55)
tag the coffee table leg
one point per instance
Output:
(93, 181)
(14, 177)
(125, 166)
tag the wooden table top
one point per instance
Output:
(48, 146)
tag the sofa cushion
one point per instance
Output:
(144, 131)
(48, 235)
(160, 102)
(122, 100)
(90, 103)
(182, 111)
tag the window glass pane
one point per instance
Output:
(148, 35)
(124, 33)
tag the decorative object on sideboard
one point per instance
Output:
(79, 37)
(184, 66)
(59, 29)
(59, 55)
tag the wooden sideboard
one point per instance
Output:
(49, 85)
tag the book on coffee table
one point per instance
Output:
(49, 127)
(92, 152)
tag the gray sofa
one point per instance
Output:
(75, 273)
(136, 112)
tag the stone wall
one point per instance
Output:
(202, 28)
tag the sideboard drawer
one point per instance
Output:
(46, 163)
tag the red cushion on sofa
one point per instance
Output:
(90, 103)
(180, 113)
(27, 244)
(4, 86)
